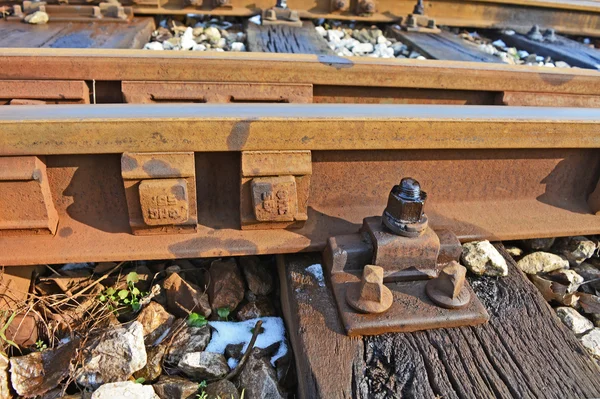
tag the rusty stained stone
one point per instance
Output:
(183, 297)
(226, 287)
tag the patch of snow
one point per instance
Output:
(317, 271)
(231, 332)
(255, 19)
(232, 362)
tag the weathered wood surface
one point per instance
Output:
(444, 46)
(114, 35)
(523, 352)
(286, 39)
(570, 51)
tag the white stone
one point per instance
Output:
(542, 262)
(321, 31)
(574, 320)
(187, 43)
(522, 54)
(586, 40)
(153, 46)
(204, 365)
(591, 341)
(482, 258)
(237, 46)
(562, 64)
(199, 47)
(499, 43)
(344, 52)
(511, 51)
(539, 58)
(38, 18)
(113, 357)
(362, 48)
(334, 35)
(549, 65)
(127, 389)
(212, 34)
(488, 48)
(421, 58)
(381, 40)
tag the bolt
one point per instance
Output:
(370, 295)
(404, 214)
(535, 34)
(339, 4)
(550, 36)
(367, 6)
(431, 24)
(448, 288)
(419, 8)
(411, 22)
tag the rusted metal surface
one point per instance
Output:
(283, 127)
(160, 189)
(537, 187)
(51, 92)
(594, 200)
(275, 187)
(103, 12)
(404, 264)
(199, 92)
(573, 17)
(515, 98)
(464, 80)
(25, 197)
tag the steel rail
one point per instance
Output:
(111, 128)
(111, 65)
(490, 172)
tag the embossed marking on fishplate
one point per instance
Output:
(164, 201)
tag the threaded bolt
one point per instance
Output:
(410, 189)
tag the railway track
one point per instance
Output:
(110, 154)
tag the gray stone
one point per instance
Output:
(481, 258)
(226, 288)
(234, 351)
(125, 389)
(173, 387)
(4, 390)
(39, 372)
(576, 249)
(258, 378)
(37, 18)
(156, 321)
(113, 356)
(589, 272)
(260, 307)
(567, 277)
(153, 368)
(203, 365)
(258, 276)
(542, 262)
(223, 389)
(574, 320)
(188, 339)
(538, 244)
(591, 341)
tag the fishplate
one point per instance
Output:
(399, 275)
(30, 92)
(161, 192)
(205, 92)
(26, 205)
(274, 189)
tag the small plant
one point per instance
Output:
(129, 296)
(201, 386)
(40, 345)
(5, 327)
(196, 320)
(140, 380)
(223, 313)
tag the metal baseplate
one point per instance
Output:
(281, 15)
(419, 22)
(399, 275)
(110, 11)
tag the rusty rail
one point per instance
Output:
(491, 172)
(137, 76)
(573, 17)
